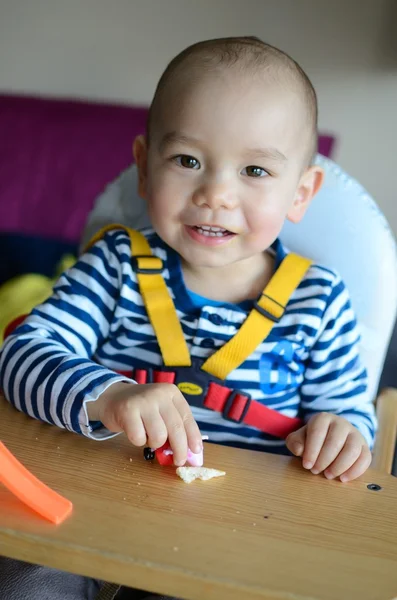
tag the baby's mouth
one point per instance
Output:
(211, 231)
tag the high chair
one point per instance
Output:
(344, 230)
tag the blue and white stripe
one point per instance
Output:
(95, 323)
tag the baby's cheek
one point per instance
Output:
(264, 232)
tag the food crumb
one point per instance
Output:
(175, 548)
(254, 524)
(234, 530)
(130, 459)
(138, 483)
(124, 498)
(237, 512)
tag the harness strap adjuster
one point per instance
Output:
(266, 313)
(229, 405)
(147, 270)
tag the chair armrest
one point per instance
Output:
(385, 443)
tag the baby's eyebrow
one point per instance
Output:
(267, 154)
(173, 137)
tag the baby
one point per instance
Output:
(226, 159)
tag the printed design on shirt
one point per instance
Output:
(279, 368)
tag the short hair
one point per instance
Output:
(248, 51)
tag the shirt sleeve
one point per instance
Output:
(335, 377)
(46, 366)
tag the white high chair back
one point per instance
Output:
(343, 229)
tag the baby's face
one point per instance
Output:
(224, 168)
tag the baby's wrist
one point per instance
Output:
(95, 408)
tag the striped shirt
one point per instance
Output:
(67, 352)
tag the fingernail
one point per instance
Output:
(328, 475)
(307, 464)
(343, 478)
(315, 471)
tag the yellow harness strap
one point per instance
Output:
(267, 310)
(162, 314)
(158, 302)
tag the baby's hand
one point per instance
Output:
(330, 444)
(149, 415)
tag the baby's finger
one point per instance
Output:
(135, 431)
(194, 439)
(317, 430)
(345, 458)
(359, 467)
(193, 434)
(156, 430)
(332, 447)
(176, 434)
(296, 441)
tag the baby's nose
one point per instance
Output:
(215, 194)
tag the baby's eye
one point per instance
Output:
(186, 161)
(253, 171)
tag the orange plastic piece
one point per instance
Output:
(30, 490)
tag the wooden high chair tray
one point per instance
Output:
(268, 530)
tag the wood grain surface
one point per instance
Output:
(267, 530)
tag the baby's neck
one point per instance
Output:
(233, 283)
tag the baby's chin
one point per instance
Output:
(211, 259)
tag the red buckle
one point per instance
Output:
(164, 376)
(152, 376)
(140, 375)
(233, 406)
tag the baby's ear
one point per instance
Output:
(139, 150)
(309, 184)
